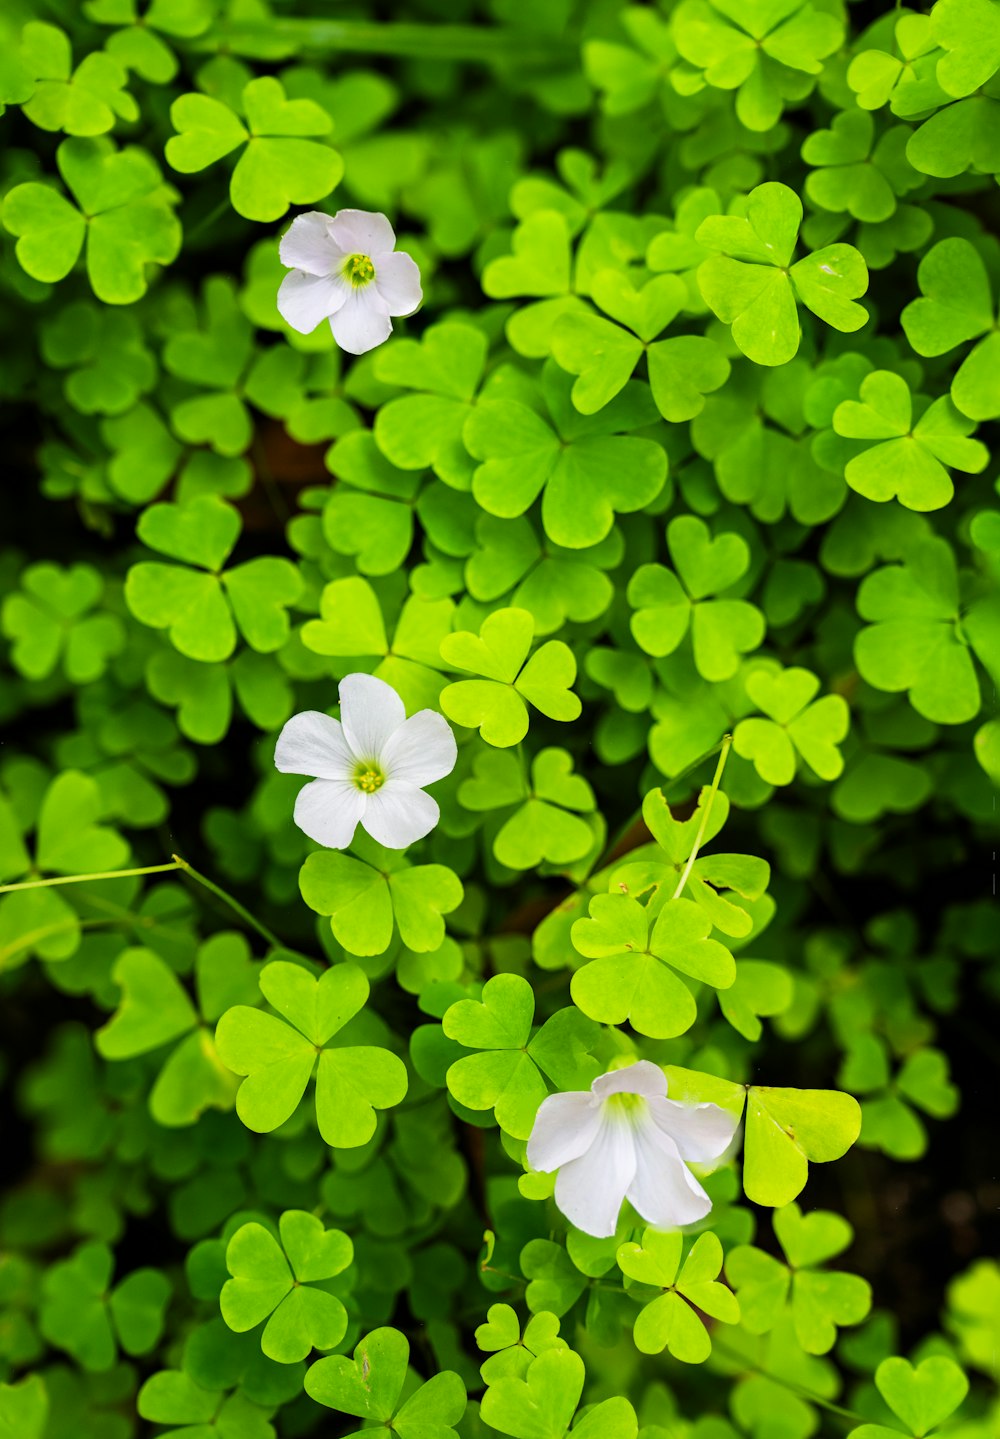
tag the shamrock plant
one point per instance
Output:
(497, 704)
(280, 1056)
(283, 1283)
(499, 631)
(752, 284)
(668, 604)
(670, 1321)
(282, 164)
(156, 1010)
(198, 602)
(123, 219)
(819, 1299)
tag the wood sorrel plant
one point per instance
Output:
(501, 625)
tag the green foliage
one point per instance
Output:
(675, 499)
(283, 1284)
(280, 1058)
(752, 284)
(280, 165)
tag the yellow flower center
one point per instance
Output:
(368, 778)
(629, 1104)
(359, 270)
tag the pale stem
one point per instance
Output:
(727, 741)
(83, 878)
(176, 863)
(488, 45)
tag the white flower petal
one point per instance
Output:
(422, 750)
(398, 814)
(328, 811)
(643, 1078)
(701, 1131)
(370, 711)
(397, 280)
(664, 1190)
(362, 232)
(305, 300)
(362, 322)
(308, 245)
(590, 1190)
(313, 743)
(565, 1127)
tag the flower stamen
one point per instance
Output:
(368, 778)
(359, 270)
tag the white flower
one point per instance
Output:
(369, 766)
(345, 270)
(624, 1139)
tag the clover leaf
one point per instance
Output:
(509, 1075)
(682, 369)
(546, 825)
(370, 513)
(858, 174)
(922, 1396)
(957, 305)
(586, 470)
(81, 1313)
(553, 584)
(364, 904)
(125, 219)
(961, 136)
(24, 1408)
(889, 1120)
(104, 350)
(50, 621)
(370, 1387)
(155, 1010)
(199, 603)
(970, 36)
(212, 358)
(69, 840)
(798, 724)
(667, 607)
(424, 430)
(633, 973)
(907, 460)
(279, 1058)
(670, 1321)
(497, 704)
(512, 1353)
(820, 1300)
(918, 640)
(140, 45)
(285, 1284)
(542, 1404)
(352, 625)
(785, 1129)
(88, 100)
(540, 262)
(753, 285)
(279, 167)
(172, 1397)
(764, 50)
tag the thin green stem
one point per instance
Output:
(852, 1416)
(727, 741)
(176, 863)
(216, 213)
(479, 44)
(227, 899)
(81, 878)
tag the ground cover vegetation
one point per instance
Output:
(675, 502)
